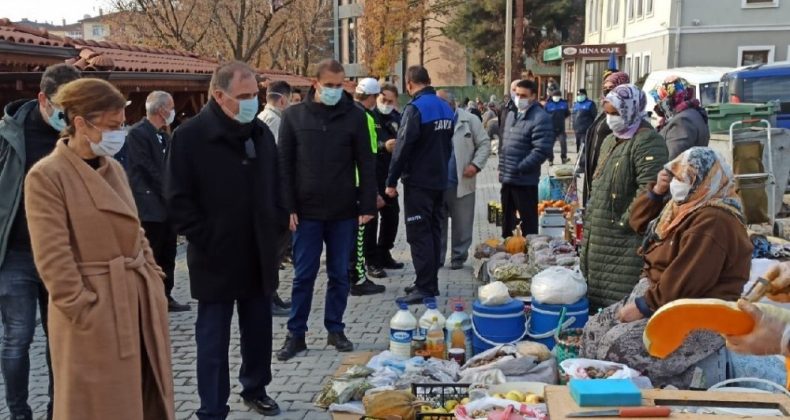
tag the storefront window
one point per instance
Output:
(593, 77)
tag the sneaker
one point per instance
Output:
(279, 311)
(174, 306)
(366, 288)
(566, 161)
(390, 264)
(376, 272)
(264, 405)
(341, 343)
(416, 296)
(291, 347)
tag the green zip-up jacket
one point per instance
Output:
(609, 260)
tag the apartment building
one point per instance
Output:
(446, 60)
(662, 34)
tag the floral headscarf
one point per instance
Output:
(675, 95)
(712, 185)
(618, 78)
(630, 102)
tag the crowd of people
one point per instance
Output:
(91, 243)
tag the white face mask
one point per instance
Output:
(616, 123)
(679, 190)
(385, 109)
(523, 104)
(171, 117)
(111, 142)
(556, 98)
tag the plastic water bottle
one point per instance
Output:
(459, 316)
(402, 327)
(427, 318)
(434, 341)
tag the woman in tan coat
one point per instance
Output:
(108, 314)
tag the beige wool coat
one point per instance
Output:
(108, 321)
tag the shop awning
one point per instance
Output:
(570, 52)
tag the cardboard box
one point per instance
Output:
(360, 358)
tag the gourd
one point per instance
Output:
(517, 243)
(390, 403)
(492, 242)
(669, 326)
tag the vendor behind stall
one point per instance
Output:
(696, 246)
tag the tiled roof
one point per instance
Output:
(291, 79)
(19, 34)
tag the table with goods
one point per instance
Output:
(513, 352)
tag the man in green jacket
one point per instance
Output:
(28, 132)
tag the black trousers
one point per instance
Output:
(424, 211)
(385, 226)
(163, 242)
(212, 335)
(580, 135)
(523, 200)
(283, 250)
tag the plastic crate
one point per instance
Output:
(721, 116)
(438, 394)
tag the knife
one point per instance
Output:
(758, 290)
(627, 412)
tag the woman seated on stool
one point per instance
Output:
(696, 246)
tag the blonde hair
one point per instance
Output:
(87, 98)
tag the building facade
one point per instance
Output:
(664, 34)
(445, 60)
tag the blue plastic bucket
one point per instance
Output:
(544, 319)
(496, 325)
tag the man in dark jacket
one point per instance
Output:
(324, 143)
(146, 146)
(528, 142)
(222, 192)
(422, 160)
(584, 113)
(558, 108)
(387, 119)
(28, 132)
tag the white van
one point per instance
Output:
(704, 79)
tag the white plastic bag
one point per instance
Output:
(526, 412)
(576, 369)
(494, 294)
(558, 286)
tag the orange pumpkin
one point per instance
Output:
(517, 243)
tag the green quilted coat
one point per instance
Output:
(609, 258)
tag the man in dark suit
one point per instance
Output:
(223, 192)
(146, 146)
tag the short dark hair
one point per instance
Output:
(224, 74)
(418, 74)
(57, 75)
(583, 91)
(329, 65)
(528, 84)
(390, 87)
(278, 89)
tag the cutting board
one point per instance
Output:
(560, 403)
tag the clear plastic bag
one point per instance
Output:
(494, 294)
(558, 286)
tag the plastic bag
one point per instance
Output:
(488, 405)
(589, 369)
(494, 294)
(558, 286)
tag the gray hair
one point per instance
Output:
(155, 101)
(224, 74)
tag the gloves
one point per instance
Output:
(769, 337)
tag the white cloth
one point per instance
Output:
(271, 116)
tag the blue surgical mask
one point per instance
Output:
(331, 96)
(56, 119)
(248, 109)
(581, 98)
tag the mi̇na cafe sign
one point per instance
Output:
(574, 51)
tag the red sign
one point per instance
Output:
(574, 51)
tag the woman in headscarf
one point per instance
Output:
(630, 159)
(695, 246)
(684, 122)
(597, 132)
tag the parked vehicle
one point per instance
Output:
(760, 83)
(705, 81)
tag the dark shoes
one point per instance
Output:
(264, 405)
(390, 264)
(174, 306)
(566, 161)
(340, 342)
(456, 265)
(293, 346)
(414, 296)
(376, 272)
(367, 288)
(280, 307)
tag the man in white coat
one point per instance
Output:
(471, 148)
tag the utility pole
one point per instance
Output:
(508, 45)
(518, 41)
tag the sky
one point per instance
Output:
(53, 11)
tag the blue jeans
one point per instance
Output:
(308, 241)
(212, 334)
(21, 291)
